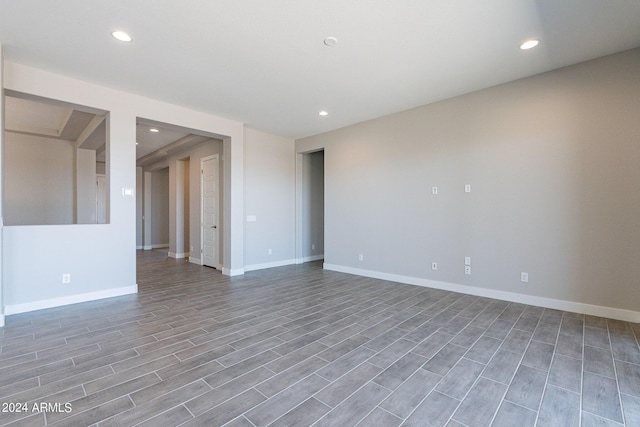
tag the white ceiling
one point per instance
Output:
(264, 62)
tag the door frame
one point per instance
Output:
(215, 157)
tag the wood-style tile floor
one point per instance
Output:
(300, 346)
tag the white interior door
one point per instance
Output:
(209, 214)
(101, 199)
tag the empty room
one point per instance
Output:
(339, 213)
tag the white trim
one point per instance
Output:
(71, 299)
(178, 255)
(193, 260)
(309, 259)
(158, 246)
(576, 307)
(262, 266)
(1, 320)
(139, 247)
(232, 272)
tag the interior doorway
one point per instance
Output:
(310, 210)
(182, 152)
(209, 210)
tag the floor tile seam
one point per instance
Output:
(442, 377)
(338, 343)
(415, 408)
(267, 398)
(625, 361)
(160, 397)
(349, 396)
(397, 357)
(317, 330)
(522, 406)
(114, 416)
(77, 414)
(357, 422)
(298, 349)
(508, 386)
(158, 380)
(11, 368)
(345, 373)
(87, 362)
(615, 373)
(177, 335)
(253, 345)
(42, 398)
(616, 423)
(386, 410)
(49, 372)
(146, 363)
(198, 354)
(548, 371)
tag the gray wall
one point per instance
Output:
(139, 206)
(159, 215)
(313, 205)
(39, 184)
(269, 195)
(552, 161)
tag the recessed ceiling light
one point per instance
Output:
(529, 44)
(323, 113)
(154, 130)
(331, 41)
(122, 36)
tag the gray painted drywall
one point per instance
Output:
(39, 180)
(85, 181)
(159, 215)
(139, 206)
(187, 205)
(313, 204)
(552, 161)
(269, 183)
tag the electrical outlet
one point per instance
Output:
(467, 260)
(434, 190)
(524, 277)
(434, 265)
(66, 278)
(467, 188)
(313, 246)
(360, 257)
(467, 270)
(270, 251)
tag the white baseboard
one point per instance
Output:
(71, 299)
(232, 271)
(576, 307)
(193, 260)
(262, 266)
(1, 320)
(158, 246)
(139, 248)
(178, 255)
(309, 259)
